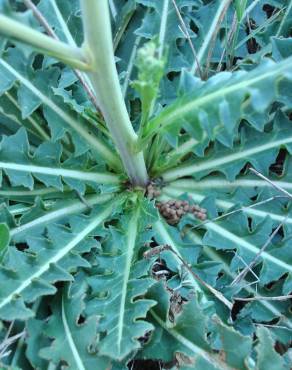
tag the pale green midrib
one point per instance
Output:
(190, 185)
(239, 241)
(228, 205)
(182, 149)
(35, 191)
(32, 121)
(92, 140)
(250, 8)
(211, 164)
(14, 118)
(132, 227)
(77, 358)
(113, 9)
(187, 107)
(76, 206)
(61, 253)
(248, 246)
(20, 209)
(213, 254)
(101, 178)
(191, 346)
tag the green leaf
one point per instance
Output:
(39, 216)
(219, 104)
(274, 261)
(259, 310)
(45, 165)
(36, 340)
(267, 357)
(231, 341)
(11, 110)
(74, 277)
(27, 275)
(167, 235)
(161, 19)
(72, 342)
(188, 335)
(4, 239)
(225, 234)
(282, 48)
(64, 19)
(37, 90)
(119, 288)
(260, 152)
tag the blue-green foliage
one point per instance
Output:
(209, 98)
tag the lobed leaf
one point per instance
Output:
(29, 274)
(117, 290)
(36, 89)
(45, 165)
(188, 336)
(216, 106)
(72, 342)
(260, 152)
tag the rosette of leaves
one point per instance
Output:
(107, 108)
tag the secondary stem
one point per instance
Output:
(49, 30)
(99, 49)
(70, 55)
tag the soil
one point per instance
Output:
(144, 365)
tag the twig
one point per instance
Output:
(253, 262)
(156, 250)
(271, 182)
(261, 298)
(12, 339)
(8, 341)
(43, 22)
(130, 65)
(237, 210)
(273, 326)
(214, 36)
(83, 200)
(257, 256)
(230, 36)
(113, 9)
(5, 342)
(250, 270)
(185, 32)
(218, 295)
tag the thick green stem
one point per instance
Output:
(103, 75)
(70, 55)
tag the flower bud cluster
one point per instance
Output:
(173, 210)
(152, 191)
